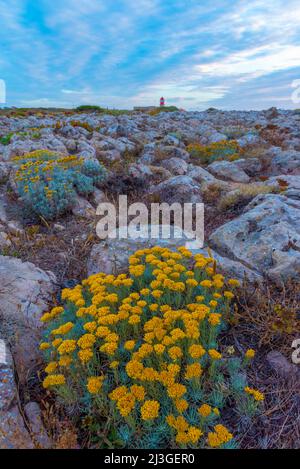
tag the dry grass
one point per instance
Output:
(242, 195)
(256, 313)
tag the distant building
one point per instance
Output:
(162, 101)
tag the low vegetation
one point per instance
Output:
(138, 355)
(48, 182)
(242, 195)
(206, 154)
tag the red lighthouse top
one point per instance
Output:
(162, 101)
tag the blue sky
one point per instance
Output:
(121, 53)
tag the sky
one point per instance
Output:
(232, 54)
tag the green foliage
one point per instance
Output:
(89, 108)
(6, 139)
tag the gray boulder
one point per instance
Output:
(228, 171)
(181, 189)
(25, 294)
(266, 238)
(176, 166)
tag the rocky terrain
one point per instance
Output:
(252, 228)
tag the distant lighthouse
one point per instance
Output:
(162, 102)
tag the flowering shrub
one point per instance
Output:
(84, 125)
(48, 181)
(223, 150)
(138, 355)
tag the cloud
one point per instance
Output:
(130, 52)
(254, 62)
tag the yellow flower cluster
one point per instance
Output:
(250, 353)
(39, 162)
(147, 335)
(186, 434)
(220, 436)
(54, 380)
(94, 384)
(257, 395)
(149, 410)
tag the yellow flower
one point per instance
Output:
(191, 282)
(159, 348)
(204, 410)
(214, 319)
(125, 404)
(193, 371)
(176, 390)
(149, 410)
(250, 353)
(228, 294)
(214, 354)
(67, 346)
(109, 348)
(196, 351)
(157, 293)
(57, 342)
(54, 380)
(63, 329)
(51, 367)
(134, 319)
(217, 296)
(65, 361)
(213, 440)
(94, 384)
(194, 434)
(153, 307)
(213, 303)
(178, 423)
(138, 392)
(233, 282)
(85, 355)
(102, 331)
(86, 341)
(175, 352)
(90, 326)
(206, 283)
(200, 298)
(117, 393)
(137, 270)
(129, 345)
(257, 395)
(134, 369)
(44, 346)
(182, 438)
(114, 364)
(181, 405)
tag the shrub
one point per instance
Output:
(6, 139)
(89, 108)
(158, 110)
(205, 154)
(48, 181)
(243, 195)
(271, 314)
(137, 355)
(234, 131)
(84, 125)
(212, 191)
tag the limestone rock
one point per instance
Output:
(266, 238)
